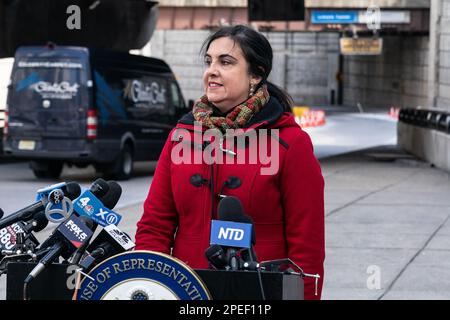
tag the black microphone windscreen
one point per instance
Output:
(88, 222)
(216, 256)
(230, 209)
(247, 219)
(99, 187)
(111, 198)
(72, 190)
(212, 250)
(41, 221)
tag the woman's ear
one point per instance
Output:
(255, 80)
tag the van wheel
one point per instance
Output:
(47, 169)
(122, 167)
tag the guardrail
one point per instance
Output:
(431, 119)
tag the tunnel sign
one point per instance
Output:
(318, 17)
(361, 46)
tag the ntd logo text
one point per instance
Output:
(231, 234)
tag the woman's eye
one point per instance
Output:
(226, 63)
(207, 62)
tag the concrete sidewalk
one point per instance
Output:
(387, 229)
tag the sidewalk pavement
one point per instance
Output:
(387, 228)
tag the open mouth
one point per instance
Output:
(214, 85)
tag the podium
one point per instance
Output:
(245, 285)
(57, 280)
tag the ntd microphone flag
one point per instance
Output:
(88, 205)
(231, 234)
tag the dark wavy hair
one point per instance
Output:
(258, 53)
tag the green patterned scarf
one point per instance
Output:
(236, 118)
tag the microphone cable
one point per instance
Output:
(25, 291)
(41, 252)
(258, 270)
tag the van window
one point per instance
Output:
(46, 79)
(147, 93)
(142, 96)
(176, 99)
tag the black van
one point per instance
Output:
(86, 106)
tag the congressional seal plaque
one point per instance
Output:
(142, 275)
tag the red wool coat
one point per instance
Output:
(287, 207)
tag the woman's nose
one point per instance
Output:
(212, 69)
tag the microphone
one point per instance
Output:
(109, 194)
(230, 209)
(110, 241)
(111, 198)
(71, 190)
(249, 254)
(234, 230)
(217, 257)
(38, 223)
(68, 237)
(37, 220)
(238, 234)
(18, 239)
(1, 213)
(15, 239)
(97, 209)
(67, 187)
(99, 187)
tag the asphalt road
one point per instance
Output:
(342, 133)
(18, 185)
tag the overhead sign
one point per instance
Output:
(326, 17)
(396, 17)
(361, 46)
(360, 17)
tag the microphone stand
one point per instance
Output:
(233, 259)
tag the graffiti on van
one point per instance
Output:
(48, 90)
(28, 81)
(62, 90)
(49, 64)
(145, 94)
(109, 100)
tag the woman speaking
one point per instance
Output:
(282, 193)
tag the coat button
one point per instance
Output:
(197, 180)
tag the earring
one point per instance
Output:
(252, 90)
